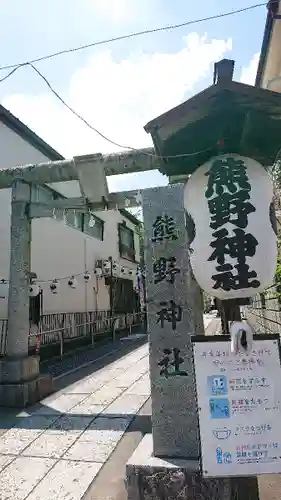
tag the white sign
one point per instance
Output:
(239, 401)
(228, 201)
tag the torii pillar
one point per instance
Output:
(20, 381)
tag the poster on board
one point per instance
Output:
(239, 406)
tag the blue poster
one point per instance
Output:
(217, 385)
(219, 408)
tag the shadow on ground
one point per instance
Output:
(58, 421)
(41, 416)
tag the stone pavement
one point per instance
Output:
(56, 449)
(212, 324)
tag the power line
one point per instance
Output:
(9, 74)
(122, 146)
(137, 33)
(80, 117)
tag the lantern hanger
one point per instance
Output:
(86, 274)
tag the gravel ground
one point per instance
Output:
(76, 359)
(270, 487)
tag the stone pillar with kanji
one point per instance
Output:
(171, 305)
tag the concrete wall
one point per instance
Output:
(58, 250)
(264, 314)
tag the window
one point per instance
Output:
(126, 242)
(93, 225)
(41, 193)
(58, 214)
(69, 217)
(73, 218)
(79, 220)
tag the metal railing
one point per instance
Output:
(3, 335)
(264, 312)
(62, 328)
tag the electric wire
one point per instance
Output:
(138, 33)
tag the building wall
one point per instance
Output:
(271, 77)
(68, 251)
(15, 151)
(58, 250)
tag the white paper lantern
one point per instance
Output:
(72, 283)
(115, 269)
(98, 272)
(106, 266)
(4, 289)
(92, 221)
(34, 290)
(233, 250)
(87, 277)
(54, 286)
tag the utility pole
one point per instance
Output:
(111, 306)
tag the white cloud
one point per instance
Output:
(248, 74)
(117, 97)
(116, 11)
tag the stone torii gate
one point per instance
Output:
(20, 381)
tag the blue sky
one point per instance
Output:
(121, 86)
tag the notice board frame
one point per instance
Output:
(227, 339)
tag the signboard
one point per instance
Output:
(229, 221)
(239, 407)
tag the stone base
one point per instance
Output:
(152, 478)
(21, 384)
(14, 369)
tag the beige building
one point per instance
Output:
(68, 243)
(269, 69)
